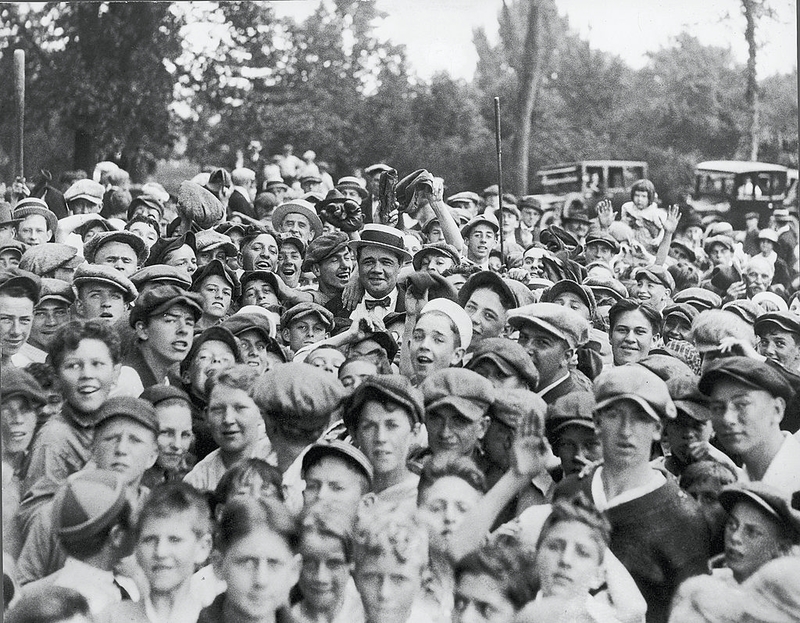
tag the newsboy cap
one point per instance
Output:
(573, 409)
(135, 409)
(464, 390)
(42, 259)
(657, 274)
(440, 248)
(199, 205)
(380, 388)
(56, 290)
(768, 499)
(87, 503)
(301, 310)
(508, 356)
(339, 449)
(563, 322)
(323, 247)
(17, 382)
(102, 273)
(161, 274)
(699, 298)
(85, 189)
(159, 299)
(30, 283)
(136, 243)
(748, 372)
(512, 405)
(786, 321)
(636, 383)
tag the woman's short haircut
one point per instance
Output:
(508, 564)
(645, 185)
(628, 305)
(240, 376)
(322, 520)
(69, 336)
(712, 325)
(579, 509)
(172, 498)
(243, 517)
(444, 465)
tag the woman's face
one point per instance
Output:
(443, 507)
(632, 337)
(568, 561)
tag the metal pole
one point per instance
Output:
(499, 145)
(19, 90)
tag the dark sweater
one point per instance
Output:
(660, 537)
(214, 613)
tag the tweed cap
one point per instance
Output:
(339, 449)
(156, 394)
(436, 248)
(301, 310)
(147, 202)
(466, 391)
(481, 219)
(657, 274)
(297, 206)
(492, 281)
(606, 287)
(786, 321)
(299, 395)
(508, 356)
(18, 278)
(101, 273)
(573, 409)
(198, 205)
(161, 274)
(42, 259)
(56, 290)
(682, 310)
(511, 405)
(13, 244)
(216, 333)
(159, 299)
(323, 247)
(210, 240)
(747, 372)
(135, 409)
(32, 206)
(17, 382)
(380, 388)
(699, 298)
(93, 222)
(563, 322)
(215, 267)
(688, 399)
(637, 383)
(603, 238)
(138, 245)
(85, 189)
(89, 502)
(687, 250)
(768, 499)
(584, 293)
(266, 276)
(665, 364)
(163, 246)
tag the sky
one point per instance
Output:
(438, 33)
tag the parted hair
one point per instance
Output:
(243, 517)
(324, 520)
(446, 464)
(580, 509)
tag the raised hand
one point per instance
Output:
(605, 213)
(530, 449)
(673, 217)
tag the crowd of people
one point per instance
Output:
(272, 397)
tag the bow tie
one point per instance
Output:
(373, 303)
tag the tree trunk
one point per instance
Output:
(534, 58)
(751, 8)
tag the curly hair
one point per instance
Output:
(241, 376)
(69, 336)
(579, 509)
(390, 532)
(323, 520)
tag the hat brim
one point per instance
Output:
(362, 192)
(761, 325)
(292, 208)
(416, 262)
(516, 321)
(468, 408)
(128, 296)
(728, 498)
(309, 312)
(648, 408)
(355, 245)
(467, 229)
(186, 301)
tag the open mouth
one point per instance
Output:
(180, 345)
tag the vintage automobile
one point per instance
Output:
(729, 189)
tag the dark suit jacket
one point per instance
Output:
(239, 203)
(336, 307)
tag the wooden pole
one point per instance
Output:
(19, 92)
(499, 146)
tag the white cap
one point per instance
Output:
(273, 318)
(456, 313)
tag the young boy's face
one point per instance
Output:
(174, 434)
(18, 422)
(169, 549)
(433, 344)
(384, 434)
(626, 433)
(568, 560)
(325, 571)
(87, 375)
(234, 418)
(328, 359)
(304, 331)
(211, 357)
(388, 587)
(97, 300)
(480, 598)
(685, 434)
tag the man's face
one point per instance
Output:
(652, 292)
(169, 335)
(333, 272)
(183, 258)
(752, 539)
(757, 279)
(259, 292)
(378, 270)
(33, 230)
(626, 434)
(598, 252)
(388, 587)
(212, 357)
(174, 433)
(766, 246)
(435, 233)
(579, 229)
(451, 431)
(576, 447)
(631, 337)
(298, 226)
(85, 206)
(550, 354)
(534, 266)
(233, 417)
(457, 280)
(744, 418)
(530, 216)
(384, 435)
(480, 242)
(261, 253)
(676, 328)
(510, 222)
(206, 257)
(98, 300)
(7, 232)
(118, 255)
(720, 255)
(289, 262)
(87, 375)
(325, 572)
(781, 346)
(17, 423)
(168, 550)
(434, 263)
(332, 481)
(479, 598)
(9, 258)
(374, 183)
(353, 373)
(433, 344)
(487, 314)
(16, 320)
(47, 318)
(217, 294)
(124, 446)
(304, 331)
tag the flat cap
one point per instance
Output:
(687, 250)
(163, 246)
(604, 238)
(665, 364)
(301, 310)
(435, 248)
(102, 273)
(18, 278)
(85, 189)
(786, 321)
(725, 241)
(512, 405)
(136, 243)
(210, 240)
(198, 205)
(492, 281)
(456, 314)
(159, 299)
(637, 383)
(464, 390)
(32, 206)
(156, 394)
(297, 206)
(382, 339)
(17, 382)
(161, 274)
(481, 219)
(465, 196)
(584, 293)
(215, 267)
(147, 202)
(766, 498)
(530, 201)
(768, 234)
(657, 274)
(94, 222)
(13, 243)
(682, 310)
(266, 276)
(494, 189)
(377, 168)
(244, 321)
(687, 397)
(699, 298)
(507, 355)
(136, 409)
(382, 387)
(747, 372)
(56, 290)
(573, 409)
(340, 449)
(42, 259)
(299, 395)
(563, 322)
(89, 502)
(608, 287)
(323, 247)
(216, 333)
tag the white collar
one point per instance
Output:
(602, 503)
(555, 383)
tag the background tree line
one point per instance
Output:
(120, 80)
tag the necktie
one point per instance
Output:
(373, 303)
